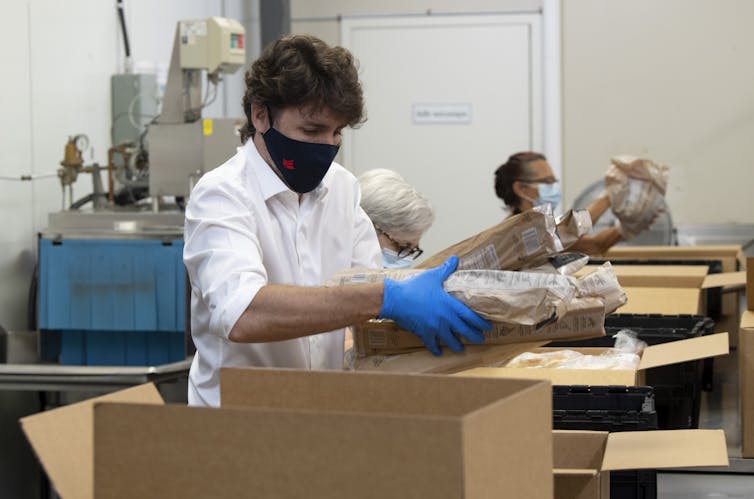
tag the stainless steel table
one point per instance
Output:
(59, 378)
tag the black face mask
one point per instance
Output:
(303, 165)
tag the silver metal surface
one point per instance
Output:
(221, 144)
(133, 100)
(176, 151)
(126, 223)
(704, 486)
(54, 377)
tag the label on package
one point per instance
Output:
(531, 241)
(483, 258)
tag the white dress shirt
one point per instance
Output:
(245, 229)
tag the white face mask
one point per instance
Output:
(390, 260)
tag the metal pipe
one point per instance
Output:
(123, 28)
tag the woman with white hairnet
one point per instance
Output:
(400, 215)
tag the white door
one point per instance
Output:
(448, 99)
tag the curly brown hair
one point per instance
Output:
(302, 70)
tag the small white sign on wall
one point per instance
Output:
(431, 114)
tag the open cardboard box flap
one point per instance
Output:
(651, 276)
(63, 439)
(585, 453)
(663, 354)
(728, 281)
(666, 301)
(665, 449)
(747, 320)
(675, 352)
(672, 276)
(676, 252)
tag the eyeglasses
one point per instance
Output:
(548, 180)
(404, 250)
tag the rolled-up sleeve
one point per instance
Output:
(222, 254)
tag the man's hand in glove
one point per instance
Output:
(422, 306)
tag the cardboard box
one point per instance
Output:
(63, 439)
(750, 283)
(666, 301)
(730, 256)
(669, 289)
(653, 356)
(711, 252)
(655, 276)
(386, 337)
(746, 382)
(583, 459)
(423, 362)
(291, 434)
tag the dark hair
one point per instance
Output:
(302, 70)
(516, 168)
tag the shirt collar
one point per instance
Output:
(270, 184)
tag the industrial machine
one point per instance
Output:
(168, 154)
(111, 281)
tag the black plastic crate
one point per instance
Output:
(689, 325)
(652, 329)
(603, 408)
(610, 408)
(603, 398)
(677, 387)
(633, 484)
(669, 326)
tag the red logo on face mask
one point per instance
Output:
(288, 164)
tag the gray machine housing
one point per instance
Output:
(181, 153)
(133, 102)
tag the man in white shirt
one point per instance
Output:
(267, 228)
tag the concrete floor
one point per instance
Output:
(704, 486)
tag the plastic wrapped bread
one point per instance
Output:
(522, 240)
(572, 225)
(602, 284)
(636, 189)
(500, 296)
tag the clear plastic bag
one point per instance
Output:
(636, 189)
(624, 356)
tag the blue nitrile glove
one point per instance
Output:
(422, 306)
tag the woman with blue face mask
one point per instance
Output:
(526, 180)
(400, 215)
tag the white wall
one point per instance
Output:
(672, 80)
(57, 61)
(15, 143)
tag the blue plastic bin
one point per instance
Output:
(112, 302)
